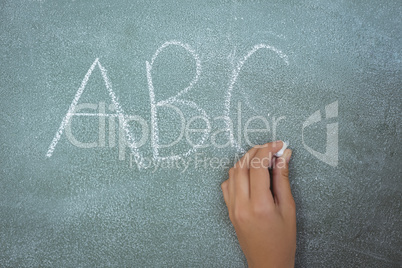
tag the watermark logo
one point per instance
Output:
(331, 153)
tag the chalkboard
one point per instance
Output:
(120, 120)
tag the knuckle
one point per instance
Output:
(231, 171)
(255, 147)
(265, 162)
(239, 215)
(276, 144)
(224, 185)
(285, 173)
(255, 162)
(261, 209)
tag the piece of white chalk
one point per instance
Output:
(280, 152)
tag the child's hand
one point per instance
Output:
(265, 221)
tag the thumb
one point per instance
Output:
(280, 180)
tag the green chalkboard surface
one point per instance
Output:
(120, 119)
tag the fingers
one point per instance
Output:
(250, 177)
(235, 188)
(225, 191)
(239, 183)
(259, 175)
(280, 180)
(244, 163)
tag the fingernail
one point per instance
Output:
(276, 143)
(287, 155)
